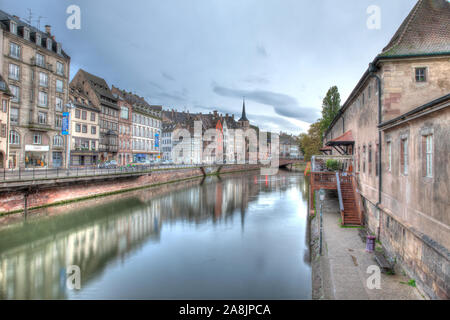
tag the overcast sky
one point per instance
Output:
(204, 55)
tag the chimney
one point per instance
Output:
(215, 113)
(232, 116)
(48, 29)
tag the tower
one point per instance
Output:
(243, 121)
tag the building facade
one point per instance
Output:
(37, 71)
(84, 129)
(5, 96)
(396, 123)
(125, 154)
(99, 93)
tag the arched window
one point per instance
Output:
(57, 141)
(14, 137)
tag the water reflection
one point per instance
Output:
(236, 237)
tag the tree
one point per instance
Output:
(311, 142)
(330, 107)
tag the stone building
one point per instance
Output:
(289, 146)
(125, 128)
(396, 123)
(99, 93)
(5, 96)
(37, 71)
(84, 129)
(146, 127)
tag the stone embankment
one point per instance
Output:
(13, 201)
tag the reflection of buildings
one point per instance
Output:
(36, 270)
(33, 261)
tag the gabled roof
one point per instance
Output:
(344, 140)
(426, 30)
(99, 85)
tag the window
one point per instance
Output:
(14, 137)
(369, 92)
(364, 159)
(3, 130)
(58, 121)
(93, 130)
(43, 98)
(427, 147)
(404, 156)
(59, 86)
(376, 160)
(59, 68)
(124, 112)
(14, 50)
(77, 113)
(37, 138)
(92, 116)
(38, 39)
(14, 116)
(14, 71)
(421, 74)
(59, 104)
(84, 128)
(42, 118)
(43, 79)
(16, 93)
(40, 61)
(78, 127)
(370, 159)
(389, 153)
(13, 27)
(58, 48)
(26, 34)
(49, 44)
(84, 115)
(5, 105)
(57, 141)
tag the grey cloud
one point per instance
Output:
(284, 105)
(261, 50)
(167, 76)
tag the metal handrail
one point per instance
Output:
(341, 202)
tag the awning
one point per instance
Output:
(345, 140)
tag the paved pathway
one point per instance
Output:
(345, 261)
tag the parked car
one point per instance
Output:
(110, 164)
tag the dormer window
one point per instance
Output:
(26, 33)
(13, 27)
(49, 44)
(38, 39)
(58, 48)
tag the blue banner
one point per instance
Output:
(156, 140)
(65, 124)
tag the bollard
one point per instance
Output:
(370, 244)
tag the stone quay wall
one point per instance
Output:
(13, 201)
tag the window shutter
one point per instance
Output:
(402, 156)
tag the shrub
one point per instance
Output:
(333, 165)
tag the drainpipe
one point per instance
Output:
(372, 70)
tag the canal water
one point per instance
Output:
(235, 237)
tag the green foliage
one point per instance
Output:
(333, 165)
(330, 107)
(311, 142)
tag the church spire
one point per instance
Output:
(244, 116)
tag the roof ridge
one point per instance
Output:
(405, 24)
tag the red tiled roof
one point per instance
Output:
(345, 139)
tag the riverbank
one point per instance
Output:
(341, 272)
(13, 202)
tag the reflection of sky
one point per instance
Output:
(128, 253)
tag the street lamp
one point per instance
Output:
(322, 198)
